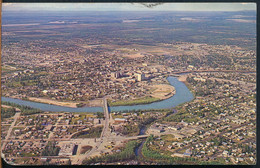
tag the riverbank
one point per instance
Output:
(159, 92)
(53, 102)
(90, 103)
(182, 95)
(183, 78)
(5, 106)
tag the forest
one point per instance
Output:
(127, 153)
(25, 110)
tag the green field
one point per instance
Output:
(94, 132)
(145, 100)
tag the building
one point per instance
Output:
(190, 67)
(156, 129)
(120, 120)
(45, 92)
(177, 155)
(98, 121)
(115, 75)
(181, 155)
(141, 77)
(199, 79)
(67, 149)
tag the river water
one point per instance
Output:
(182, 95)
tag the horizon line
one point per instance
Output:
(117, 11)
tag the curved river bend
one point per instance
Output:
(182, 95)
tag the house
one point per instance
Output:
(43, 159)
(79, 122)
(67, 122)
(240, 159)
(172, 128)
(120, 120)
(170, 147)
(177, 155)
(156, 129)
(225, 153)
(187, 154)
(162, 143)
(240, 138)
(252, 159)
(16, 132)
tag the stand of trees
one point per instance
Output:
(100, 115)
(127, 153)
(147, 121)
(25, 110)
(93, 132)
(7, 112)
(130, 130)
(145, 100)
(51, 149)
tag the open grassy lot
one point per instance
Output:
(145, 100)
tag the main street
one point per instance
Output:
(104, 137)
(16, 116)
(105, 131)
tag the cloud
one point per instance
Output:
(8, 4)
(129, 6)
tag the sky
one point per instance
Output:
(127, 7)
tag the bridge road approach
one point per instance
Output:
(104, 137)
(105, 131)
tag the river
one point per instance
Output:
(182, 95)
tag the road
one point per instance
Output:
(110, 138)
(103, 137)
(16, 116)
(55, 127)
(105, 131)
(98, 144)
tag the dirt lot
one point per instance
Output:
(182, 78)
(54, 102)
(94, 103)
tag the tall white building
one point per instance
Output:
(115, 75)
(141, 77)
